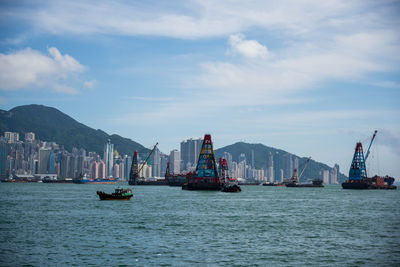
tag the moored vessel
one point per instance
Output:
(119, 194)
(176, 179)
(230, 185)
(85, 180)
(358, 173)
(57, 181)
(294, 180)
(134, 178)
(206, 175)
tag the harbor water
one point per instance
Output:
(67, 225)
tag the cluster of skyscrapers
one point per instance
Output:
(34, 157)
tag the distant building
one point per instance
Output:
(333, 174)
(29, 137)
(156, 163)
(325, 176)
(190, 150)
(108, 157)
(44, 160)
(175, 161)
(271, 174)
(3, 158)
(11, 137)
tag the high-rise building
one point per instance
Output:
(127, 166)
(44, 160)
(175, 161)
(271, 174)
(333, 174)
(252, 159)
(29, 137)
(156, 163)
(325, 176)
(102, 170)
(190, 150)
(108, 157)
(3, 159)
(11, 137)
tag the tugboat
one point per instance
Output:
(206, 175)
(358, 173)
(294, 181)
(230, 185)
(119, 194)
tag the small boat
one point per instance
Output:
(119, 194)
(273, 184)
(231, 188)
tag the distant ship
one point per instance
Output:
(57, 181)
(358, 173)
(176, 179)
(134, 178)
(230, 185)
(206, 175)
(273, 184)
(294, 180)
(119, 194)
(85, 180)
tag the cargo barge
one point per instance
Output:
(206, 175)
(85, 180)
(176, 179)
(358, 174)
(57, 181)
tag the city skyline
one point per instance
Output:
(36, 158)
(308, 77)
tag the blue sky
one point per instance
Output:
(309, 77)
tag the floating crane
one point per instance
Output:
(135, 171)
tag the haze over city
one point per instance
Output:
(309, 77)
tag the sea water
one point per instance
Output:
(67, 225)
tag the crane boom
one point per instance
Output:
(154, 148)
(373, 137)
(308, 160)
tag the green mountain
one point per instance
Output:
(280, 158)
(50, 124)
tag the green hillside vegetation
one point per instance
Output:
(50, 124)
(280, 158)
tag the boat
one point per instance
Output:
(134, 178)
(231, 188)
(176, 179)
(315, 183)
(206, 175)
(57, 181)
(151, 182)
(230, 185)
(358, 174)
(273, 184)
(119, 194)
(294, 180)
(249, 183)
(85, 180)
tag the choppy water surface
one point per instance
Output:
(66, 224)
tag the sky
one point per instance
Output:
(309, 77)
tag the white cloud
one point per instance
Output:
(247, 48)
(60, 88)
(203, 18)
(30, 68)
(89, 84)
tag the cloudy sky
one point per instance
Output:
(309, 77)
